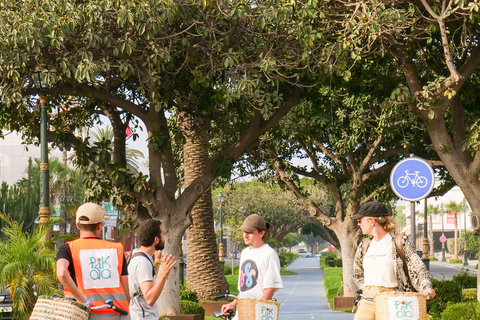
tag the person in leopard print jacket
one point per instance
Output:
(379, 261)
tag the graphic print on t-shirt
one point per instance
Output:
(248, 275)
(99, 268)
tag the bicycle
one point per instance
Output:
(109, 305)
(219, 313)
(413, 178)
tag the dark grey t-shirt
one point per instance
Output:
(140, 270)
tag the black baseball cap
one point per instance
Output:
(372, 209)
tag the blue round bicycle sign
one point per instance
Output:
(412, 179)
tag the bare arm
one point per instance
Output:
(268, 294)
(66, 280)
(151, 291)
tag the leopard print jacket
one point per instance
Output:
(418, 273)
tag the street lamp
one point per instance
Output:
(221, 200)
(442, 212)
(465, 205)
(44, 209)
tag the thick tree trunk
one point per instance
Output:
(204, 272)
(168, 303)
(348, 238)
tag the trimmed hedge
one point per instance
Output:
(287, 257)
(188, 295)
(190, 307)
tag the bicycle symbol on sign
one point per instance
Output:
(414, 178)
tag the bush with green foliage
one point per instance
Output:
(228, 270)
(465, 280)
(450, 292)
(190, 307)
(433, 259)
(188, 295)
(462, 311)
(451, 246)
(447, 291)
(455, 261)
(338, 263)
(287, 257)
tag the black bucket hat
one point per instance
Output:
(372, 209)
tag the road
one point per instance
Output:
(444, 270)
(303, 296)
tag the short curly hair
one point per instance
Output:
(148, 230)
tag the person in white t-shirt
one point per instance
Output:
(379, 265)
(259, 274)
(145, 276)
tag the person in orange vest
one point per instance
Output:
(93, 270)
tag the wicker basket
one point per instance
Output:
(400, 306)
(49, 308)
(252, 309)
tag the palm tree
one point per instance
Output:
(27, 265)
(432, 210)
(455, 208)
(204, 272)
(105, 135)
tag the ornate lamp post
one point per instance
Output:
(465, 206)
(442, 212)
(44, 210)
(221, 200)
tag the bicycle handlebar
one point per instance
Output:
(109, 305)
(229, 295)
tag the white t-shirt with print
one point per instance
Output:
(378, 264)
(259, 270)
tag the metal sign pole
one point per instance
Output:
(413, 227)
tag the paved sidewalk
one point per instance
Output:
(303, 296)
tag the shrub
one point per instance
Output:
(462, 311)
(228, 270)
(469, 294)
(455, 261)
(465, 280)
(433, 259)
(190, 307)
(330, 263)
(286, 258)
(188, 295)
(446, 291)
(340, 290)
(338, 263)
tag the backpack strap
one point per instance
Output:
(141, 253)
(401, 253)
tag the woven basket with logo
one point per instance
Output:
(50, 308)
(252, 309)
(400, 306)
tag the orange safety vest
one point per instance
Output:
(98, 267)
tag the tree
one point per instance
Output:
(353, 133)
(454, 209)
(232, 69)
(277, 206)
(435, 45)
(27, 265)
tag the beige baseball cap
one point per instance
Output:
(92, 213)
(252, 222)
